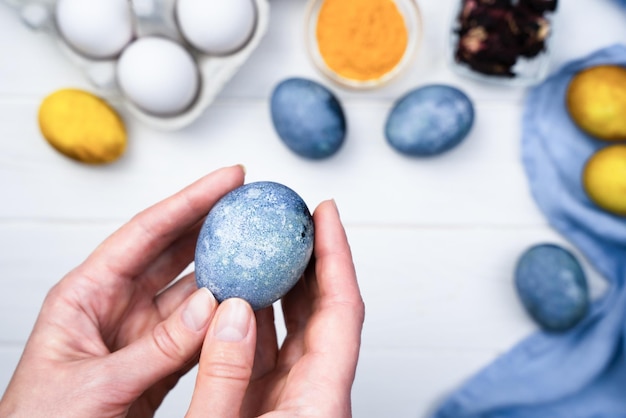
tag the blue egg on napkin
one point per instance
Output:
(308, 118)
(254, 244)
(579, 373)
(552, 286)
(429, 120)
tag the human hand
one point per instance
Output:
(112, 339)
(311, 374)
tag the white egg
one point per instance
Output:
(95, 28)
(158, 75)
(216, 27)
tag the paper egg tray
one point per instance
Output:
(151, 18)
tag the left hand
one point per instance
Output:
(112, 338)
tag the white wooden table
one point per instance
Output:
(434, 241)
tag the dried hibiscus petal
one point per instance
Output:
(493, 34)
(539, 6)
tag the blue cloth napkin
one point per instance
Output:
(580, 373)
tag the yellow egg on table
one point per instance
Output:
(596, 101)
(604, 179)
(82, 126)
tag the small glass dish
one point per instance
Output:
(491, 52)
(413, 22)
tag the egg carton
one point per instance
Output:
(150, 18)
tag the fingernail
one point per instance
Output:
(196, 314)
(233, 321)
(243, 167)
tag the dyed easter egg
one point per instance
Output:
(552, 286)
(596, 101)
(82, 126)
(255, 244)
(604, 179)
(308, 118)
(429, 120)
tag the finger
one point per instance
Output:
(296, 312)
(170, 263)
(168, 348)
(296, 307)
(171, 298)
(135, 245)
(334, 269)
(335, 328)
(266, 343)
(226, 362)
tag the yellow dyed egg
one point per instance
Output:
(604, 179)
(82, 126)
(596, 101)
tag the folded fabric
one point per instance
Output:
(580, 373)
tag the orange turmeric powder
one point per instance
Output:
(361, 39)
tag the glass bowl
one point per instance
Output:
(498, 63)
(413, 22)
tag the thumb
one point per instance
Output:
(169, 347)
(225, 362)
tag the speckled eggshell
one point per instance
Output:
(255, 244)
(552, 286)
(429, 120)
(308, 118)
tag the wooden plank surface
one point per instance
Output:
(434, 240)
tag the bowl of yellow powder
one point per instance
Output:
(362, 43)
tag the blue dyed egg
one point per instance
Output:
(429, 120)
(308, 118)
(254, 244)
(552, 286)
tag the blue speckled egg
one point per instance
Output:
(254, 244)
(308, 118)
(552, 286)
(429, 120)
